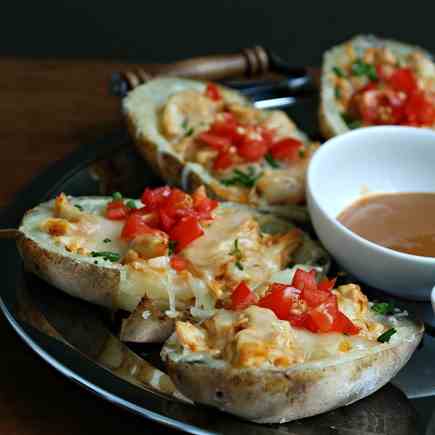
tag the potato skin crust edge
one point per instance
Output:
(90, 282)
(266, 396)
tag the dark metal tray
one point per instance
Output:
(76, 338)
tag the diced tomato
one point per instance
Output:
(323, 316)
(420, 110)
(299, 320)
(379, 106)
(252, 150)
(166, 221)
(242, 297)
(178, 263)
(286, 149)
(304, 280)
(343, 324)
(212, 92)
(279, 299)
(214, 141)
(136, 225)
(403, 80)
(314, 297)
(117, 210)
(223, 161)
(202, 204)
(326, 284)
(267, 135)
(185, 232)
(177, 205)
(153, 198)
(226, 126)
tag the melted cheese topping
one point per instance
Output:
(256, 338)
(251, 338)
(81, 232)
(188, 112)
(213, 271)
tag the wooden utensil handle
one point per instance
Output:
(249, 62)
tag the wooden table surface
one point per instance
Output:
(48, 108)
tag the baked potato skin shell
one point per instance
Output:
(330, 122)
(266, 396)
(83, 280)
(164, 164)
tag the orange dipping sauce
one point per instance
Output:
(404, 222)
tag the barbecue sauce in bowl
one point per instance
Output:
(404, 222)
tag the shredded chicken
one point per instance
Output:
(249, 338)
(187, 112)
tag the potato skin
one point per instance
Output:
(164, 164)
(83, 280)
(330, 121)
(267, 396)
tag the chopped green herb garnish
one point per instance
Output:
(360, 68)
(350, 122)
(337, 92)
(236, 250)
(171, 246)
(301, 153)
(385, 337)
(131, 203)
(245, 179)
(117, 196)
(78, 206)
(237, 253)
(190, 131)
(272, 162)
(185, 124)
(106, 241)
(338, 71)
(383, 308)
(107, 255)
(96, 262)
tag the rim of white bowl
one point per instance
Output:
(335, 142)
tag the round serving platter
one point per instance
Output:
(76, 338)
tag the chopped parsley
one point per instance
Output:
(301, 153)
(237, 253)
(78, 206)
(360, 68)
(171, 246)
(350, 122)
(337, 92)
(272, 162)
(106, 240)
(131, 203)
(185, 125)
(385, 337)
(245, 179)
(117, 196)
(383, 308)
(107, 255)
(338, 71)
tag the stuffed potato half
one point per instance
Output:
(83, 247)
(253, 364)
(373, 81)
(195, 133)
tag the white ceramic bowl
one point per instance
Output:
(372, 160)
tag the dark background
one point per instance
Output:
(152, 31)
